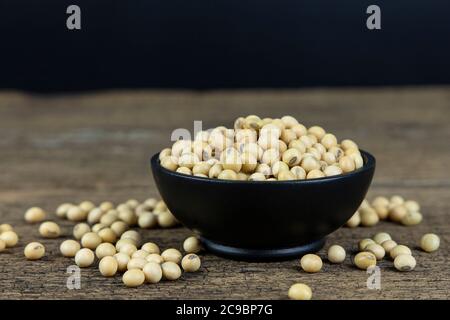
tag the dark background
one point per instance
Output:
(206, 44)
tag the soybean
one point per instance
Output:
(133, 278)
(170, 270)
(34, 251)
(191, 262)
(49, 229)
(108, 266)
(430, 242)
(34, 215)
(300, 291)
(311, 263)
(364, 260)
(404, 262)
(84, 258)
(69, 248)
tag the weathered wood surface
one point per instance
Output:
(97, 147)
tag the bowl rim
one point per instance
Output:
(368, 165)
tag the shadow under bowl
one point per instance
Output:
(263, 220)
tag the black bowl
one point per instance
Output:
(263, 220)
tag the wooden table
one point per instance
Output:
(69, 148)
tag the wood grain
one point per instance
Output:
(55, 149)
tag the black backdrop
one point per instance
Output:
(205, 44)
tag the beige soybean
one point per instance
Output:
(412, 205)
(227, 174)
(98, 226)
(265, 169)
(382, 211)
(147, 220)
(107, 235)
(215, 171)
(136, 263)
(95, 215)
(106, 206)
(154, 257)
(311, 263)
(376, 249)
(310, 163)
(164, 153)
(381, 237)
(315, 174)
(105, 250)
(412, 218)
(122, 261)
(348, 144)
(278, 167)
(191, 262)
(86, 206)
(170, 270)
(123, 207)
(298, 172)
(397, 213)
(347, 164)
(49, 229)
(354, 221)
(2, 245)
(329, 140)
(108, 266)
(133, 235)
(76, 214)
(34, 215)
(286, 175)
(80, 229)
(69, 248)
(398, 250)
(5, 227)
(140, 254)
(192, 245)
(119, 227)
(127, 216)
(132, 203)
(300, 291)
(388, 245)
(122, 242)
(364, 243)
(336, 254)
(364, 260)
(34, 251)
(128, 249)
(151, 203)
(84, 258)
(430, 242)
(153, 272)
(404, 262)
(292, 157)
(151, 247)
(172, 255)
(133, 278)
(91, 240)
(166, 220)
(257, 176)
(332, 170)
(380, 201)
(396, 200)
(61, 210)
(369, 217)
(10, 238)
